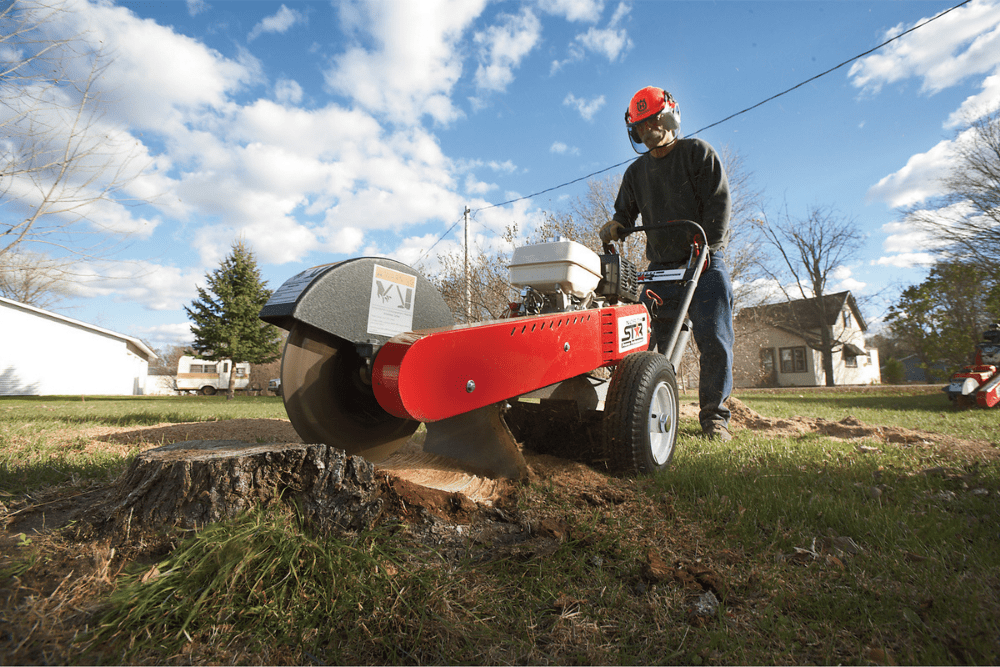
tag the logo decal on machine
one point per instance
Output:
(633, 332)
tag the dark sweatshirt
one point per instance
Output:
(689, 183)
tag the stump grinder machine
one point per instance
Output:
(373, 351)
(979, 384)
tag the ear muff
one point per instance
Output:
(670, 117)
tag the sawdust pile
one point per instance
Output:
(851, 428)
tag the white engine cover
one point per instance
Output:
(573, 267)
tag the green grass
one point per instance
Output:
(48, 412)
(828, 552)
(31, 458)
(277, 592)
(923, 581)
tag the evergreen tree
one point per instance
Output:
(225, 316)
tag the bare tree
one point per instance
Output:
(167, 359)
(964, 223)
(33, 279)
(489, 280)
(810, 249)
(63, 168)
(743, 255)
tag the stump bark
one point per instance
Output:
(191, 484)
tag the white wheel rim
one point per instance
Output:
(662, 423)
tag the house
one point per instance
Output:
(43, 353)
(775, 344)
(915, 373)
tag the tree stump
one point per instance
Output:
(191, 484)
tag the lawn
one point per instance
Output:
(780, 547)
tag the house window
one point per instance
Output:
(847, 321)
(850, 360)
(793, 359)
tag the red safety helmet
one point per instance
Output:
(647, 103)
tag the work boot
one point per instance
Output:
(717, 432)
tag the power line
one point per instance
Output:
(439, 239)
(727, 118)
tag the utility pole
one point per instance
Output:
(468, 286)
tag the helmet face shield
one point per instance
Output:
(651, 103)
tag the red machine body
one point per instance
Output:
(440, 373)
(981, 379)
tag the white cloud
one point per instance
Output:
(415, 63)
(918, 180)
(851, 284)
(280, 23)
(979, 105)
(612, 43)
(845, 280)
(559, 148)
(907, 260)
(164, 335)
(963, 43)
(154, 286)
(474, 186)
(292, 181)
(506, 167)
(588, 11)
(287, 91)
(502, 47)
(196, 7)
(586, 108)
(907, 247)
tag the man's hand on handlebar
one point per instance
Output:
(611, 231)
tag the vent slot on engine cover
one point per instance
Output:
(620, 279)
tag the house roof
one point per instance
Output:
(135, 344)
(805, 314)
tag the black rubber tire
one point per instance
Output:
(327, 400)
(641, 415)
(208, 390)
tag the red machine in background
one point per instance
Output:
(981, 381)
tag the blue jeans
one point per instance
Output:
(711, 314)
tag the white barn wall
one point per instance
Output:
(46, 354)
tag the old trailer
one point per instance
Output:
(208, 377)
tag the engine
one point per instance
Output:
(561, 276)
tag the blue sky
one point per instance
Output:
(320, 131)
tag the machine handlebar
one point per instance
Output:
(609, 248)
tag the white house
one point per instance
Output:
(43, 354)
(776, 344)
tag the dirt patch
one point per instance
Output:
(851, 428)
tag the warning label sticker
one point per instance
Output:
(390, 310)
(632, 332)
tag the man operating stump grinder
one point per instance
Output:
(682, 179)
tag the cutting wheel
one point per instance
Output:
(329, 399)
